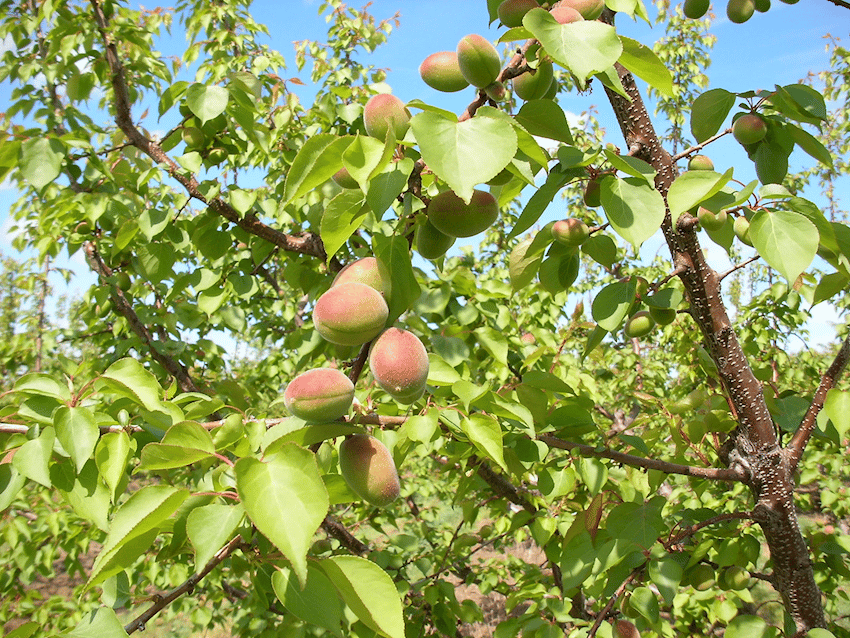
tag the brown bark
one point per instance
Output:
(754, 448)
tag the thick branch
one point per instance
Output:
(710, 473)
(336, 529)
(801, 437)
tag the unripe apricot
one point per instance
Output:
(570, 232)
(319, 395)
(368, 468)
(511, 12)
(344, 179)
(452, 216)
(749, 129)
(696, 9)
(350, 314)
(762, 6)
(711, 220)
(662, 316)
(739, 11)
(564, 14)
(700, 163)
(367, 271)
(593, 194)
(741, 228)
(496, 91)
(441, 71)
(399, 363)
(589, 9)
(625, 629)
(639, 325)
(385, 111)
(735, 577)
(430, 242)
(534, 86)
(701, 577)
(478, 60)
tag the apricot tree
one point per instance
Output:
(635, 463)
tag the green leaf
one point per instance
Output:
(486, 435)
(494, 342)
(632, 166)
(464, 154)
(810, 145)
(41, 161)
(32, 457)
(130, 379)
(37, 384)
(343, 215)
(156, 261)
(837, 408)
(210, 527)
(24, 631)
(538, 202)
(368, 591)
(317, 603)
(11, 482)
(585, 47)
(133, 528)
(786, 240)
(644, 602)
(524, 261)
(440, 373)
(183, 443)
(365, 157)
(744, 626)
(612, 303)
(85, 492)
(315, 163)
(640, 523)
(709, 111)
(666, 574)
(191, 161)
(286, 499)
(642, 61)
(394, 253)
(385, 187)
(206, 102)
(100, 623)
(77, 432)
(545, 119)
(601, 249)
(692, 187)
(634, 209)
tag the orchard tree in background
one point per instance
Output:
(557, 435)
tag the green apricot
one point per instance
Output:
(701, 577)
(749, 129)
(350, 314)
(193, 137)
(496, 91)
(384, 112)
(123, 281)
(570, 232)
(441, 71)
(431, 243)
(452, 216)
(368, 468)
(319, 395)
(367, 271)
(735, 577)
(399, 363)
(565, 14)
(739, 11)
(662, 316)
(625, 629)
(695, 9)
(763, 6)
(593, 194)
(478, 60)
(344, 179)
(534, 86)
(700, 163)
(589, 9)
(639, 325)
(511, 12)
(741, 228)
(711, 220)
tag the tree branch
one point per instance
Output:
(711, 473)
(795, 448)
(693, 529)
(700, 146)
(336, 529)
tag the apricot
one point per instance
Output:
(570, 232)
(453, 217)
(741, 228)
(639, 325)
(662, 316)
(711, 220)
(368, 468)
(735, 577)
(739, 11)
(700, 577)
(749, 129)
(399, 363)
(589, 9)
(478, 60)
(511, 12)
(496, 91)
(625, 629)
(385, 111)
(367, 271)
(319, 395)
(534, 86)
(696, 9)
(565, 14)
(350, 314)
(430, 242)
(700, 163)
(762, 6)
(441, 71)
(593, 194)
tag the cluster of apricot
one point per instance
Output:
(354, 312)
(738, 11)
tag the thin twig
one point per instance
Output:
(701, 145)
(743, 264)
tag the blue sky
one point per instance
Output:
(779, 47)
